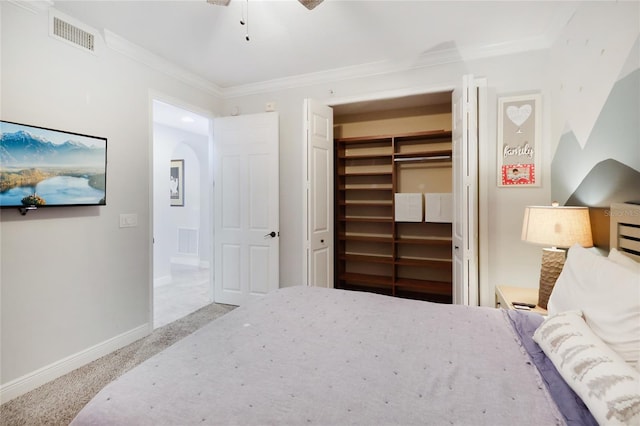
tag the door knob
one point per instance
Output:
(271, 234)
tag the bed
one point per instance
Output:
(314, 356)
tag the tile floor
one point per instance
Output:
(188, 291)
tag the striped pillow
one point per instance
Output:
(609, 386)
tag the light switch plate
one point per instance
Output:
(128, 220)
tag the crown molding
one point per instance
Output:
(472, 53)
(439, 57)
(430, 58)
(33, 6)
(427, 59)
(133, 51)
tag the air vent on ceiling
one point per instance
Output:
(73, 34)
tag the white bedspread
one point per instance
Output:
(310, 356)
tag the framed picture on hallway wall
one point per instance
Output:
(519, 133)
(176, 183)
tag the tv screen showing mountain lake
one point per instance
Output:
(46, 167)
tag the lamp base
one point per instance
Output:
(552, 263)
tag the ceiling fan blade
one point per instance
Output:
(310, 4)
(219, 2)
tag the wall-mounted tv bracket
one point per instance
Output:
(26, 209)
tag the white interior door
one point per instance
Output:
(465, 190)
(246, 212)
(319, 193)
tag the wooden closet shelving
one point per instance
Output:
(373, 251)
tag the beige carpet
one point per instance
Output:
(58, 402)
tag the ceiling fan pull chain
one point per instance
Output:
(246, 37)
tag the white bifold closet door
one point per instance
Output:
(318, 194)
(465, 192)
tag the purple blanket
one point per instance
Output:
(570, 404)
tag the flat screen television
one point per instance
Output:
(42, 167)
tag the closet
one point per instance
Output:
(393, 185)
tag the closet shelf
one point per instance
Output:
(365, 203)
(364, 188)
(425, 262)
(366, 139)
(367, 258)
(371, 219)
(423, 136)
(444, 241)
(439, 155)
(367, 280)
(365, 173)
(365, 156)
(432, 287)
(368, 238)
(416, 256)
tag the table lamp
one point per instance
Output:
(556, 227)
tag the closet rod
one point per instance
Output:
(437, 157)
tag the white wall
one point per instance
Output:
(70, 277)
(171, 143)
(195, 207)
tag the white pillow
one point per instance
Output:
(621, 259)
(608, 295)
(608, 386)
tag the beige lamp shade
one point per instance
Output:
(557, 226)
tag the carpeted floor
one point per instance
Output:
(58, 402)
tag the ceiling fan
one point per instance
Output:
(309, 4)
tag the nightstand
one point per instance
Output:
(505, 295)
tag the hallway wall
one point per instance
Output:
(169, 144)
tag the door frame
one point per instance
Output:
(484, 161)
(155, 95)
(486, 295)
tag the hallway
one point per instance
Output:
(188, 291)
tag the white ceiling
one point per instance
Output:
(288, 40)
(179, 118)
(337, 38)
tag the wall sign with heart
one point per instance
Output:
(518, 115)
(519, 134)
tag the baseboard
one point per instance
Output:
(162, 281)
(29, 382)
(187, 261)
